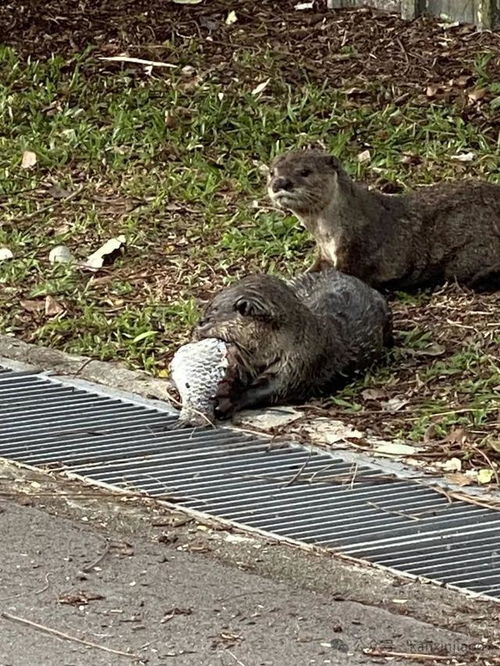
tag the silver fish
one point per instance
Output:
(197, 369)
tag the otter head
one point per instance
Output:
(304, 181)
(256, 315)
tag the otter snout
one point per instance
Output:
(281, 184)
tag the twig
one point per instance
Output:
(52, 205)
(138, 61)
(299, 471)
(82, 367)
(89, 567)
(67, 637)
(393, 512)
(495, 473)
(235, 658)
(354, 468)
(463, 497)
(420, 656)
(25, 594)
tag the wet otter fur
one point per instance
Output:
(295, 339)
(448, 231)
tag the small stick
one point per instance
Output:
(393, 512)
(420, 656)
(43, 209)
(138, 61)
(88, 568)
(299, 472)
(25, 594)
(67, 637)
(235, 658)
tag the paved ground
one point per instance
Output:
(152, 594)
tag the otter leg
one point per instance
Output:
(259, 394)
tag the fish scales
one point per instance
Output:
(197, 368)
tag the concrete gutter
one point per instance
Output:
(285, 422)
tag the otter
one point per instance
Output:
(294, 339)
(447, 231)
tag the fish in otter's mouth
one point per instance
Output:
(197, 369)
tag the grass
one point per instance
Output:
(175, 164)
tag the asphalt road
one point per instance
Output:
(175, 604)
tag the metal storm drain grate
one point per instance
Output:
(305, 495)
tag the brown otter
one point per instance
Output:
(294, 339)
(443, 232)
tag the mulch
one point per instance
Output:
(419, 59)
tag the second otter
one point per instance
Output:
(444, 232)
(294, 340)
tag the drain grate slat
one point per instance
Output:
(311, 496)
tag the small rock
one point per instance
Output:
(60, 255)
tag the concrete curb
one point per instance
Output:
(108, 374)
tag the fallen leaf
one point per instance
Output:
(60, 255)
(187, 2)
(188, 71)
(32, 305)
(304, 5)
(456, 436)
(231, 18)
(410, 159)
(364, 156)
(434, 349)
(458, 479)
(373, 394)
(463, 81)
(477, 94)
(29, 159)
(52, 307)
(5, 254)
(394, 404)
(431, 91)
(106, 254)
(452, 465)
(485, 475)
(464, 157)
(396, 449)
(262, 86)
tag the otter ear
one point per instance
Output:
(250, 307)
(332, 162)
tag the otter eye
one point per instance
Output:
(243, 307)
(305, 172)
